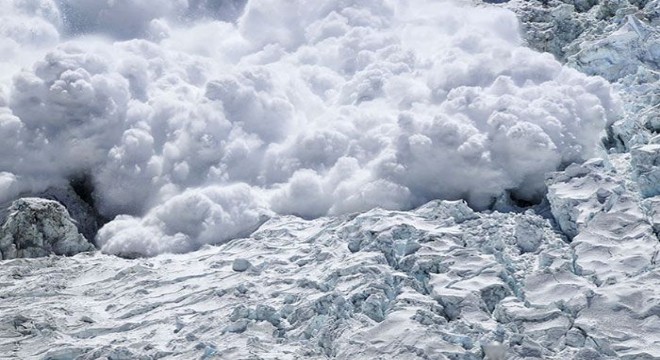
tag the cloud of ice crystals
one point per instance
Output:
(197, 119)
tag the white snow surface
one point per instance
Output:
(440, 282)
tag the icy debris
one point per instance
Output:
(38, 227)
(645, 161)
(651, 209)
(615, 249)
(618, 40)
(441, 281)
(240, 265)
(620, 54)
(607, 38)
(456, 211)
(581, 191)
(529, 234)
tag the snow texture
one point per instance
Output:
(618, 40)
(440, 282)
(616, 246)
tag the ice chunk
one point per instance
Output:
(38, 227)
(240, 265)
(581, 191)
(645, 162)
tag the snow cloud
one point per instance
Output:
(199, 119)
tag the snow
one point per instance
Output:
(618, 40)
(268, 173)
(441, 281)
(289, 110)
(422, 283)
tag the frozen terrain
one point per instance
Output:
(352, 180)
(440, 282)
(618, 40)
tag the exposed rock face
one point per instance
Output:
(37, 227)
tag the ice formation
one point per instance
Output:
(36, 227)
(440, 282)
(618, 40)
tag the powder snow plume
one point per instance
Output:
(199, 119)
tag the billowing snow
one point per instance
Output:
(291, 109)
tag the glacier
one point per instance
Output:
(442, 281)
(439, 282)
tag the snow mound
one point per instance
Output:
(38, 227)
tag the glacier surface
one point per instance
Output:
(439, 282)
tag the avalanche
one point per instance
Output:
(348, 179)
(289, 110)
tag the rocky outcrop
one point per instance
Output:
(36, 227)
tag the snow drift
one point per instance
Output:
(198, 120)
